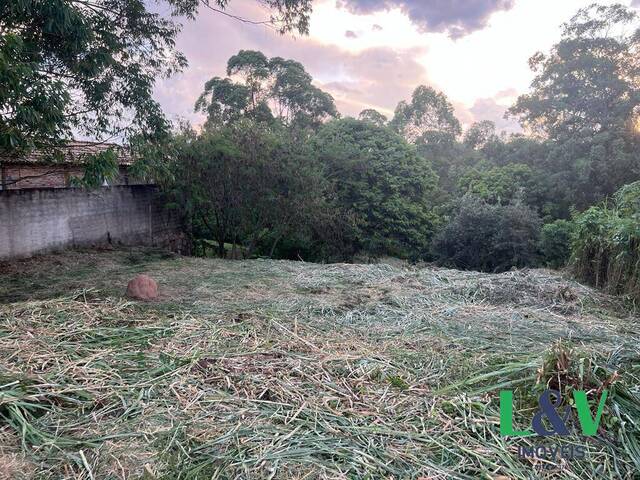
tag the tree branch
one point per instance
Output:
(267, 23)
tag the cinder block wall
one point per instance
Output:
(42, 220)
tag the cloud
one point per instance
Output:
(456, 17)
(635, 3)
(342, 88)
(378, 77)
(374, 78)
(350, 34)
(378, 28)
(490, 109)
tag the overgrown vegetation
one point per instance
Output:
(380, 181)
(491, 238)
(555, 243)
(275, 172)
(70, 65)
(607, 243)
(274, 369)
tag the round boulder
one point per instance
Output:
(142, 287)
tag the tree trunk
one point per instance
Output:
(273, 246)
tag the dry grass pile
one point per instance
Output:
(269, 369)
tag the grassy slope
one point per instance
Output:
(269, 369)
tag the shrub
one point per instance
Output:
(490, 238)
(380, 181)
(555, 243)
(606, 245)
(500, 184)
(246, 185)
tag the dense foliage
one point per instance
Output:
(414, 186)
(269, 173)
(491, 238)
(90, 66)
(252, 186)
(606, 246)
(555, 243)
(300, 190)
(585, 100)
(583, 114)
(381, 181)
(275, 172)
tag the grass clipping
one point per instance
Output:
(270, 369)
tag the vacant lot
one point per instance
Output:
(273, 369)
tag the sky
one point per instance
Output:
(373, 53)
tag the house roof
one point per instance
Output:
(73, 152)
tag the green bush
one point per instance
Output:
(380, 181)
(490, 238)
(555, 243)
(606, 245)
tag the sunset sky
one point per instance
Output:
(373, 53)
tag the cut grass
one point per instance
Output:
(272, 369)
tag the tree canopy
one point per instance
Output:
(585, 101)
(427, 117)
(589, 83)
(90, 66)
(267, 89)
(275, 170)
(373, 116)
(383, 183)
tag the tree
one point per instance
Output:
(590, 81)
(246, 184)
(428, 122)
(373, 116)
(297, 101)
(381, 181)
(555, 243)
(480, 134)
(585, 101)
(427, 118)
(269, 89)
(232, 101)
(502, 185)
(90, 66)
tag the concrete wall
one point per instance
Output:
(41, 220)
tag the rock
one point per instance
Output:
(142, 287)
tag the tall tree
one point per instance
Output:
(480, 134)
(373, 116)
(589, 83)
(427, 118)
(297, 101)
(91, 65)
(268, 89)
(585, 99)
